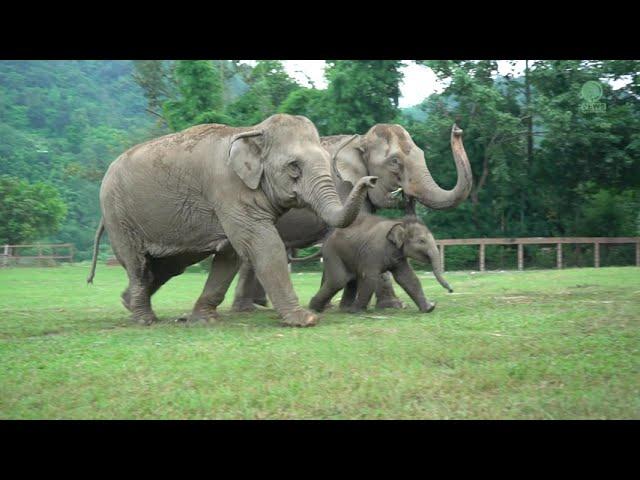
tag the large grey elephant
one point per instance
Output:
(355, 258)
(389, 153)
(175, 200)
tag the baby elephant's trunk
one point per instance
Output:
(434, 256)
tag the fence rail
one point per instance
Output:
(11, 253)
(520, 242)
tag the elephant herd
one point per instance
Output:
(249, 195)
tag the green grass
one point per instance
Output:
(535, 344)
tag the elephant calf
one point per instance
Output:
(355, 258)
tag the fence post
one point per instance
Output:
(637, 254)
(442, 257)
(596, 255)
(559, 255)
(482, 257)
(71, 253)
(520, 257)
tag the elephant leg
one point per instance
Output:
(156, 283)
(224, 267)
(334, 278)
(267, 253)
(409, 281)
(137, 296)
(140, 285)
(348, 295)
(385, 296)
(367, 284)
(259, 294)
(243, 299)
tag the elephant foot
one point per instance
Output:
(201, 316)
(353, 309)
(125, 298)
(243, 305)
(146, 319)
(429, 308)
(261, 301)
(300, 318)
(389, 302)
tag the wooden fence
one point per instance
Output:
(11, 253)
(520, 242)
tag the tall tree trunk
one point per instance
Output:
(529, 118)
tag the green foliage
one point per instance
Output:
(362, 93)
(269, 86)
(568, 172)
(310, 103)
(29, 211)
(199, 86)
(607, 213)
(63, 123)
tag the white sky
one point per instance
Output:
(419, 81)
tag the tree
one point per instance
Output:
(200, 89)
(154, 77)
(310, 103)
(485, 105)
(362, 93)
(269, 86)
(29, 211)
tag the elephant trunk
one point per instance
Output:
(434, 257)
(431, 195)
(323, 199)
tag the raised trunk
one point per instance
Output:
(324, 201)
(431, 195)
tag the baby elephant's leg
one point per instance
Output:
(334, 278)
(385, 296)
(348, 295)
(367, 283)
(408, 280)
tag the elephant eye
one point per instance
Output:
(293, 169)
(394, 163)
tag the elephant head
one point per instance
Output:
(388, 152)
(415, 241)
(284, 157)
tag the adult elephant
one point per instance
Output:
(389, 153)
(175, 200)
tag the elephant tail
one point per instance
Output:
(96, 247)
(304, 259)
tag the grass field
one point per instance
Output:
(534, 344)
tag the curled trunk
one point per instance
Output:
(432, 195)
(323, 199)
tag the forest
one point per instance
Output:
(554, 151)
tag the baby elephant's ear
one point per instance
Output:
(397, 235)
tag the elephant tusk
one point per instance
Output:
(396, 192)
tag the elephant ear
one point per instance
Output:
(350, 162)
(397, 235)
(245, 157)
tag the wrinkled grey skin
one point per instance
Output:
(175, 200)
(388, 152)
(355, 258)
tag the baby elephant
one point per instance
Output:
(355, 257)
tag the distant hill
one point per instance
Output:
(63, 122)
